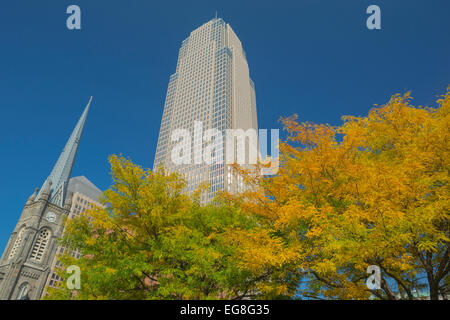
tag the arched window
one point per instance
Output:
(23, 292)
(41, 244)
(17, 243)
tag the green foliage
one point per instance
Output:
(150, 241)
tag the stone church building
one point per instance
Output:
(27, 260)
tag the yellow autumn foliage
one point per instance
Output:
(373, 191)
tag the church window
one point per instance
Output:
(17, 243)
(40, 245)
(23, 292)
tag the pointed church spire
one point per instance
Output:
(58, 179)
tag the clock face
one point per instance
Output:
(51, 217)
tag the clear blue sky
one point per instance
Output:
(315, 58)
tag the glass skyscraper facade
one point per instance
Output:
(211, 85)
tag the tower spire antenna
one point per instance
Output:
(60, 175)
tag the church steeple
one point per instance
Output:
(56, 183)
(26, 263)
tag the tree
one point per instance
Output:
(151, 241)
(373, 191)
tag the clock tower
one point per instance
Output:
(27, 258)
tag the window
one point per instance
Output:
(40, 245)
(23, 292)
(17, 243)
(54, 280)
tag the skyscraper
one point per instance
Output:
(211, 86)
(26, 261)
